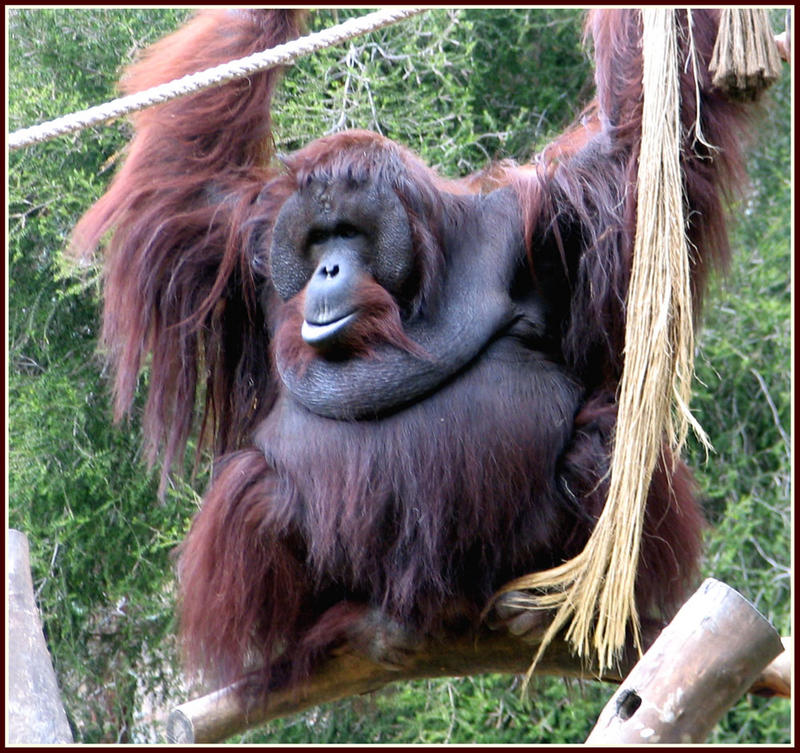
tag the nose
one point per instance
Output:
(328, 271)
(331, 291)
(330, 301)
(333, 280)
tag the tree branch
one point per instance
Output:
(219, 715)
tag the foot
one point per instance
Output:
(381, 639)
(510, 613)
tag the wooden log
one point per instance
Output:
(700, 665)
(776, 678)
(784, 39)
(217, 716)
(784, 44)
(35, 711)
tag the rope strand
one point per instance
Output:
(220, 74)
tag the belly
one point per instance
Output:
(457, 491)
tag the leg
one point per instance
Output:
(241, 576)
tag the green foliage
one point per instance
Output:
(487, 708)
(459, 87)
(99, 543)
(743, 400)
(471, 98)
(531, 75)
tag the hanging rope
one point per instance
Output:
(593, 593)
(745, 60)
(220, 74)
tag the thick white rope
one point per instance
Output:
(220, 74)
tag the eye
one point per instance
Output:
(346, 230)
(259, 262)
(318, 235)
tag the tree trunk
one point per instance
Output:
(35, 711)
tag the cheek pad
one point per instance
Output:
(289, 270)
(393, 262)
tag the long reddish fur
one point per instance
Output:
(178, 207)
(191, 211)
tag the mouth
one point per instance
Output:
(319, 334)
